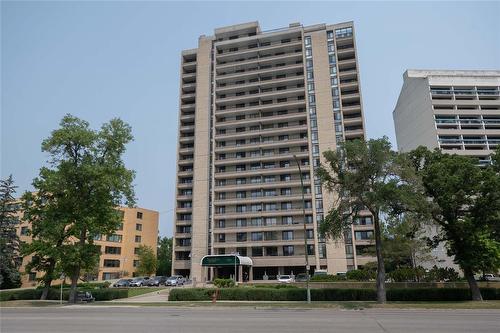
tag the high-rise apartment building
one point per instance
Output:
(253, 105)
(456, 111)
(118, 250)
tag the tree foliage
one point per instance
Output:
(147, 261)
(464, 201)
(10, 259)
(367, 175)
(77, 193)
(164, 257)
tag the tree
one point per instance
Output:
(79, 190)
(164, 257)
(9, 241)
(147, 261)
(405, 242)
(48, 233)
(367, 175)
(464, 201)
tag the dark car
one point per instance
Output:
(84, 296)
(122, 283)
(301, 277)
(156, 281)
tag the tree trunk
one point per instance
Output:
(74, 282)
(474, 288)
(76, 271)
(47, 280)
(381, 295)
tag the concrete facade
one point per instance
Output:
(118, 251)
(253, 105)
(457, 111)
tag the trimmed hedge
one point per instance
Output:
(104, 294)
(299, 294)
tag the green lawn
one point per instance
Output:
(140, 291)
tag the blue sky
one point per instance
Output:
(99, 60)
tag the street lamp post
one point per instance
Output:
(305, 230)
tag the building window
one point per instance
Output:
(222, 238)
(31, 276)
(114, 238)
(112, 250)
(257, 252)
(288, 250)
(111, 263)
(363, 235)
(138, 239)
(287, 235)
(136, 250)
(257, 236)
(24, 231)
(138, 227)
(120, 226)
(241, 237)
(139, 215)
(136, 263)
(271, 251)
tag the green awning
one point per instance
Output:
(225, 260)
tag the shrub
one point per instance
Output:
(22, 294)
(442, 274)
(54, 294)
(328, 278)
(299, 294)
(224, 283)
(360, 275)
(191, 294)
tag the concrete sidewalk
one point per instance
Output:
(159, 296)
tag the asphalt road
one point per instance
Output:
(234, 320)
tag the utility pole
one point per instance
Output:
(305, 230)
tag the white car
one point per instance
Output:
(285, 279)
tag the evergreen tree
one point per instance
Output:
(10, 259)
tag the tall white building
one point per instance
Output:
(457, 111)
(253, 105)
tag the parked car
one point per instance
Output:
(156, 281)
(490, 277)
(122, 283)
(139, 282)
(301, 277)
(84, 296)
(175, 280)
(285, 279)
(319, 272)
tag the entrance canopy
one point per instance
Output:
(225, 260)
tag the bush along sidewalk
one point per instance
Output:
(299, 294)
(104, 294)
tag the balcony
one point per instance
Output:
(270, 131)
(226, 54)
(249, 200)
(249, 173)
(262, 107)
(259, 71)
(250, 186)
(291, 116)
(252, 146)
(261, 158)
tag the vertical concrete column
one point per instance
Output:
(336, 260)
(201, 174)
(240, 273)
(250, 274)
